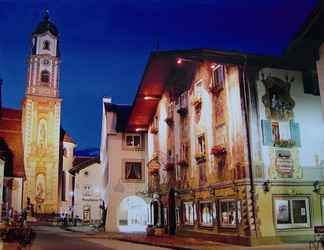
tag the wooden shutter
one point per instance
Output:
(295, 132)
(267, 132)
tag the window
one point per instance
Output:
(87, 190)
(230, 212)
(45, 76)
(133, 170)
(46, 45)
(219, 77)
(201, 144)
(188, 213)
(291, 213)
(65, 152)
(184, 150)
(206, 213)
(183, 100)
(133, 141)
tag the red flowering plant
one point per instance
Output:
(196, 102)
(169, 166)
(218, 150)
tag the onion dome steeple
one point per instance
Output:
(45, 25)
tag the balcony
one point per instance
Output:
(183, 105)
(169, 118)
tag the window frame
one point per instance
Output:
(45, 73)
(142, 179)
(193, 213)
(203, 146)
(238, 212)
(132, 147)
(292, 225)
(200, 213)
(216, 83)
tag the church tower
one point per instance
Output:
(41, 120)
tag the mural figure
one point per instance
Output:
(40, 188)
(277, 100)
(42, 133)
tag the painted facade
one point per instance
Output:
(234, 148)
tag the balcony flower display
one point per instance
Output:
(284, 143)
(169, 120)
(200, 157)
(154, 130)
(196, 102)
(183, 163)
(218, 150)
(169, 166)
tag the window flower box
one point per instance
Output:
(218, 150)
(200, 157)
(196, 102)
(154, 130)
(154, 170)
(169, 166)
(183, 163)
(169, 121)
(284, 143)
(183, 111)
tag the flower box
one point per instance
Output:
(154, 130)
(154, 171)
(200, 157)
(183, 163)
(218, 150)
(285, 143)
(196, 102)
(215, 88)
(169, 166)
(169, 121)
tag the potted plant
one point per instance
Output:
(154, 130)
(183, 163)
(169, 166)
(150, 230)
(196, 102)
(218, 150)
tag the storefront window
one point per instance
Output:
(188, 213)
(230, 212)
(291, 213)
(206, 213)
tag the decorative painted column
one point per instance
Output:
(2, 163)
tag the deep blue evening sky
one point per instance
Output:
(105, 44)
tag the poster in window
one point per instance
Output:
(299, 211)
(282, 211)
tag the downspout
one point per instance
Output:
(247, 122)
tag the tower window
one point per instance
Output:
(46, 45)
(45, 76)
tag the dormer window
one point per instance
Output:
(46, 45)
(45, 76)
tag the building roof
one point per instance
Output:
(65, 137)
(11, 142)
(82, 162)
(162, 70)
(122, 113)
(45, 25)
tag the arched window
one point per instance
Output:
(46, 45)
(45, 76)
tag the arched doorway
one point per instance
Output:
(132, 215)
(172, 212)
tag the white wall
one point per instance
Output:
(307, 112)
(320, 70)
(92, 178)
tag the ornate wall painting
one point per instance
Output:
(277, 100)
(40, 188)
(220, 109)
(284, 163)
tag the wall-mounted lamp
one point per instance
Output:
(266, 186)
(151, 98)
(317, 187)
(140, 129)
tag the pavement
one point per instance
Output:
(176, 242)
